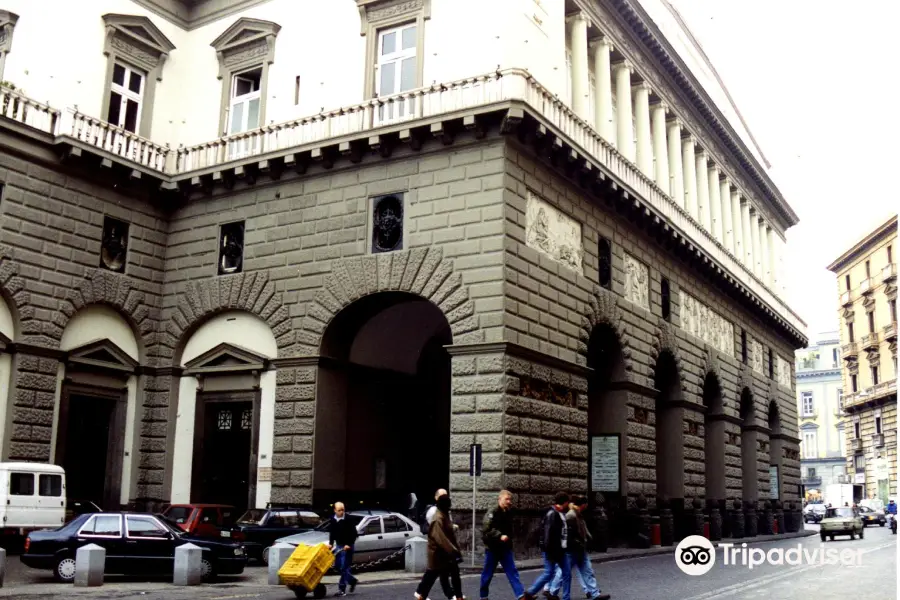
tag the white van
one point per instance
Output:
(32, 496)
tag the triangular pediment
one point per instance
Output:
(103, 354)
(139, 29)
(244, 31)
(226, 358)
(4, 341)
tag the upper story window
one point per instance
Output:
(874, 375)
(856, 430)
(878, 422)
(136, 51)
(850, 332)
(871, 321)
(8, 22)
(890, 254)
(806, 399)
(868, 270)
(125, 97)
(809, 444)
(840, 394)
(892, 306)
(853, 384)
(231, 248)
(604, 251)
(744, 346)
(665, 298)
(395, 45)
(847, 281)
(244, 105)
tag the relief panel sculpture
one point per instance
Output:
(549, 231)
(756, 357)
(637, 282)
(784, 371)
(701, 321)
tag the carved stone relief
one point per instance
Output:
(637, 281)
(756, 357)
(392, 10)
(552, 233)
(258, 49)
(700, 321)
(547, 392)
(784, 371)
(133, 51)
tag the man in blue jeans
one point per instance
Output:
(554, 541)
(579, 538)
(497, 537)
(342, 535)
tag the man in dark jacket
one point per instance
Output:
(497, 537)
(554, 542)
(579, 539)
(342, 535)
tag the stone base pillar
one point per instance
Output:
(751, 519)
(737, 520)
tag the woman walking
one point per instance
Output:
(443, 552)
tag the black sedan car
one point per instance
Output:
(261, 527)
(135, 543)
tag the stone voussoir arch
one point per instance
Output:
(252, 292)
(13, 289)
(423, 272)
(99, 286)
(603, 309)
(667, 341)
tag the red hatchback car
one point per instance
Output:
(205, 520)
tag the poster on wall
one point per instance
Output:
(773, 483)
(605, 463)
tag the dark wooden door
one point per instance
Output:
(226, 469)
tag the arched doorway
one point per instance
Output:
(383, 403)
(775, 451)
(669, 413)
(7, 335)
(94, 432)
(714, 441)
(608, 420)
(749, 437)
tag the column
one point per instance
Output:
(773, 258)
(754, 230)
(715, 203)
(690, 176)
(578, 28)
(702, 166)
(676, 170)
(623, 114)
(749, 260)
(603, 113)
(764, 253)
(727, 221)
(642, 128)
(737, 226)
(660, 149)
(782, 278)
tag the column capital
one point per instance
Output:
(676, 122)
(714, 167)
(625, 64)
(642, 86)
(579, 16)
(723, 178)
(601, 42)
(689, 138)
(702, 155)
(660, 106)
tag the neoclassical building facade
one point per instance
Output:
(558, 247)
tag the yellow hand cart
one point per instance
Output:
(302, 573)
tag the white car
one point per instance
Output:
(813, 513)
(381, 534)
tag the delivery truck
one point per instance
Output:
(839, 494)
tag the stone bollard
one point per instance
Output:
(699, 519)
(416, 556)
(765, 522)
(666, 524)
(737, 520)
(779, 518)
(278, 555)
(642, 537)
(715, 521)
(187, 565)
(750, 519)
(90, 561)
(725, 516)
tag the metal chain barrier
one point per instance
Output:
(380, 561)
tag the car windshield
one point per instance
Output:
(254, 516)
(353, 519)
(178, 514)
(172, 524)
(842, 511)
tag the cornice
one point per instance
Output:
(881, 233)
(194, 16)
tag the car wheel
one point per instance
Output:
(823, 536)
(264, 557)
(65, 570)
(207, 569)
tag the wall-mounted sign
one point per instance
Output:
(605, 463)
(859, 478)
(881, 469)
(265, 474)
(773, 483)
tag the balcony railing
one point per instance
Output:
(846, 298)
(878, 440)
(869, 340)
(811, 481)
(889, 332)
(22, 109)
(889, 272)
(849, 350)
(430, 101)
(856, 444)
(865, 286)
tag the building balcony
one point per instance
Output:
(814, 481)
(889, 273)
(849, 350)
(878, 440)
(889, 332)
(856, 444)
(865, 286)
(870, 395)
(846, 298)
(869, 341)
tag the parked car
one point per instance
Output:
(135, 543)
(205, 520)
(260, 527)
(75, 508)
(813, 513)
(872, 516)
(381, 533)
(842, 520)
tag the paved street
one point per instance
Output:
(633, 579)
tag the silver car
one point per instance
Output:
(381, 534)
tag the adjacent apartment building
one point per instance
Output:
(821, 418)
(867, 292)
(277, 251)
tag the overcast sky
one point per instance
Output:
(816, 83)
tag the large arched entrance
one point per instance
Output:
(669, 437)
(749, 437)
(608, 424)
(775, 452)
(383, 403)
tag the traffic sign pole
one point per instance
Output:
(474, 472)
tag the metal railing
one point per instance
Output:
(22, 109)
(116, 140)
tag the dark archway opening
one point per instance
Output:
(714, 443)
(749, 437)
(383, 404)
(670, 438)
(608, 420)
(775, 452)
